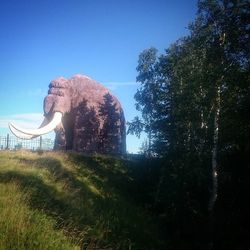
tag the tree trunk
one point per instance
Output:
(149, 143)
(214, 191)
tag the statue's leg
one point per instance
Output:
(60, 140)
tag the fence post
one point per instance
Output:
(7, 141)
(41, 140)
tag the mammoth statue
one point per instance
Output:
(85, 116)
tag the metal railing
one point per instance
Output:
(14, 143)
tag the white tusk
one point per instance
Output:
(25, 136)
(56, 120)
(21, 135)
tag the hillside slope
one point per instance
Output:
(70, 201)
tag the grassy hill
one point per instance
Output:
(70, 201)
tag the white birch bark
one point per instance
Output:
(214, 191)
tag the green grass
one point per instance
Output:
(23, 228)
(70, 201)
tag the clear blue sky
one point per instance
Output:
(41, 40)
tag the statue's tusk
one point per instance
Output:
(21, 135)
(25, 136)
(40, 131)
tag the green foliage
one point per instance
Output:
(194, 103)
(109, 133)
(146, 95)
(87, 125)
(135, 127)
(178, 93)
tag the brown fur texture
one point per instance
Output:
(93, 120)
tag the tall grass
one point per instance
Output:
(70, 201)
(24, 228)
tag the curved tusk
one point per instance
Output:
(21, 135)
(25, 136)
(56, 120)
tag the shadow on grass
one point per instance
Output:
(59, 173)
(80, 212)
(46, 197)
(134, 179)
(74, 212)
(107, 172)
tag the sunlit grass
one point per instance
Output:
(24, 228)
(58, 200)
